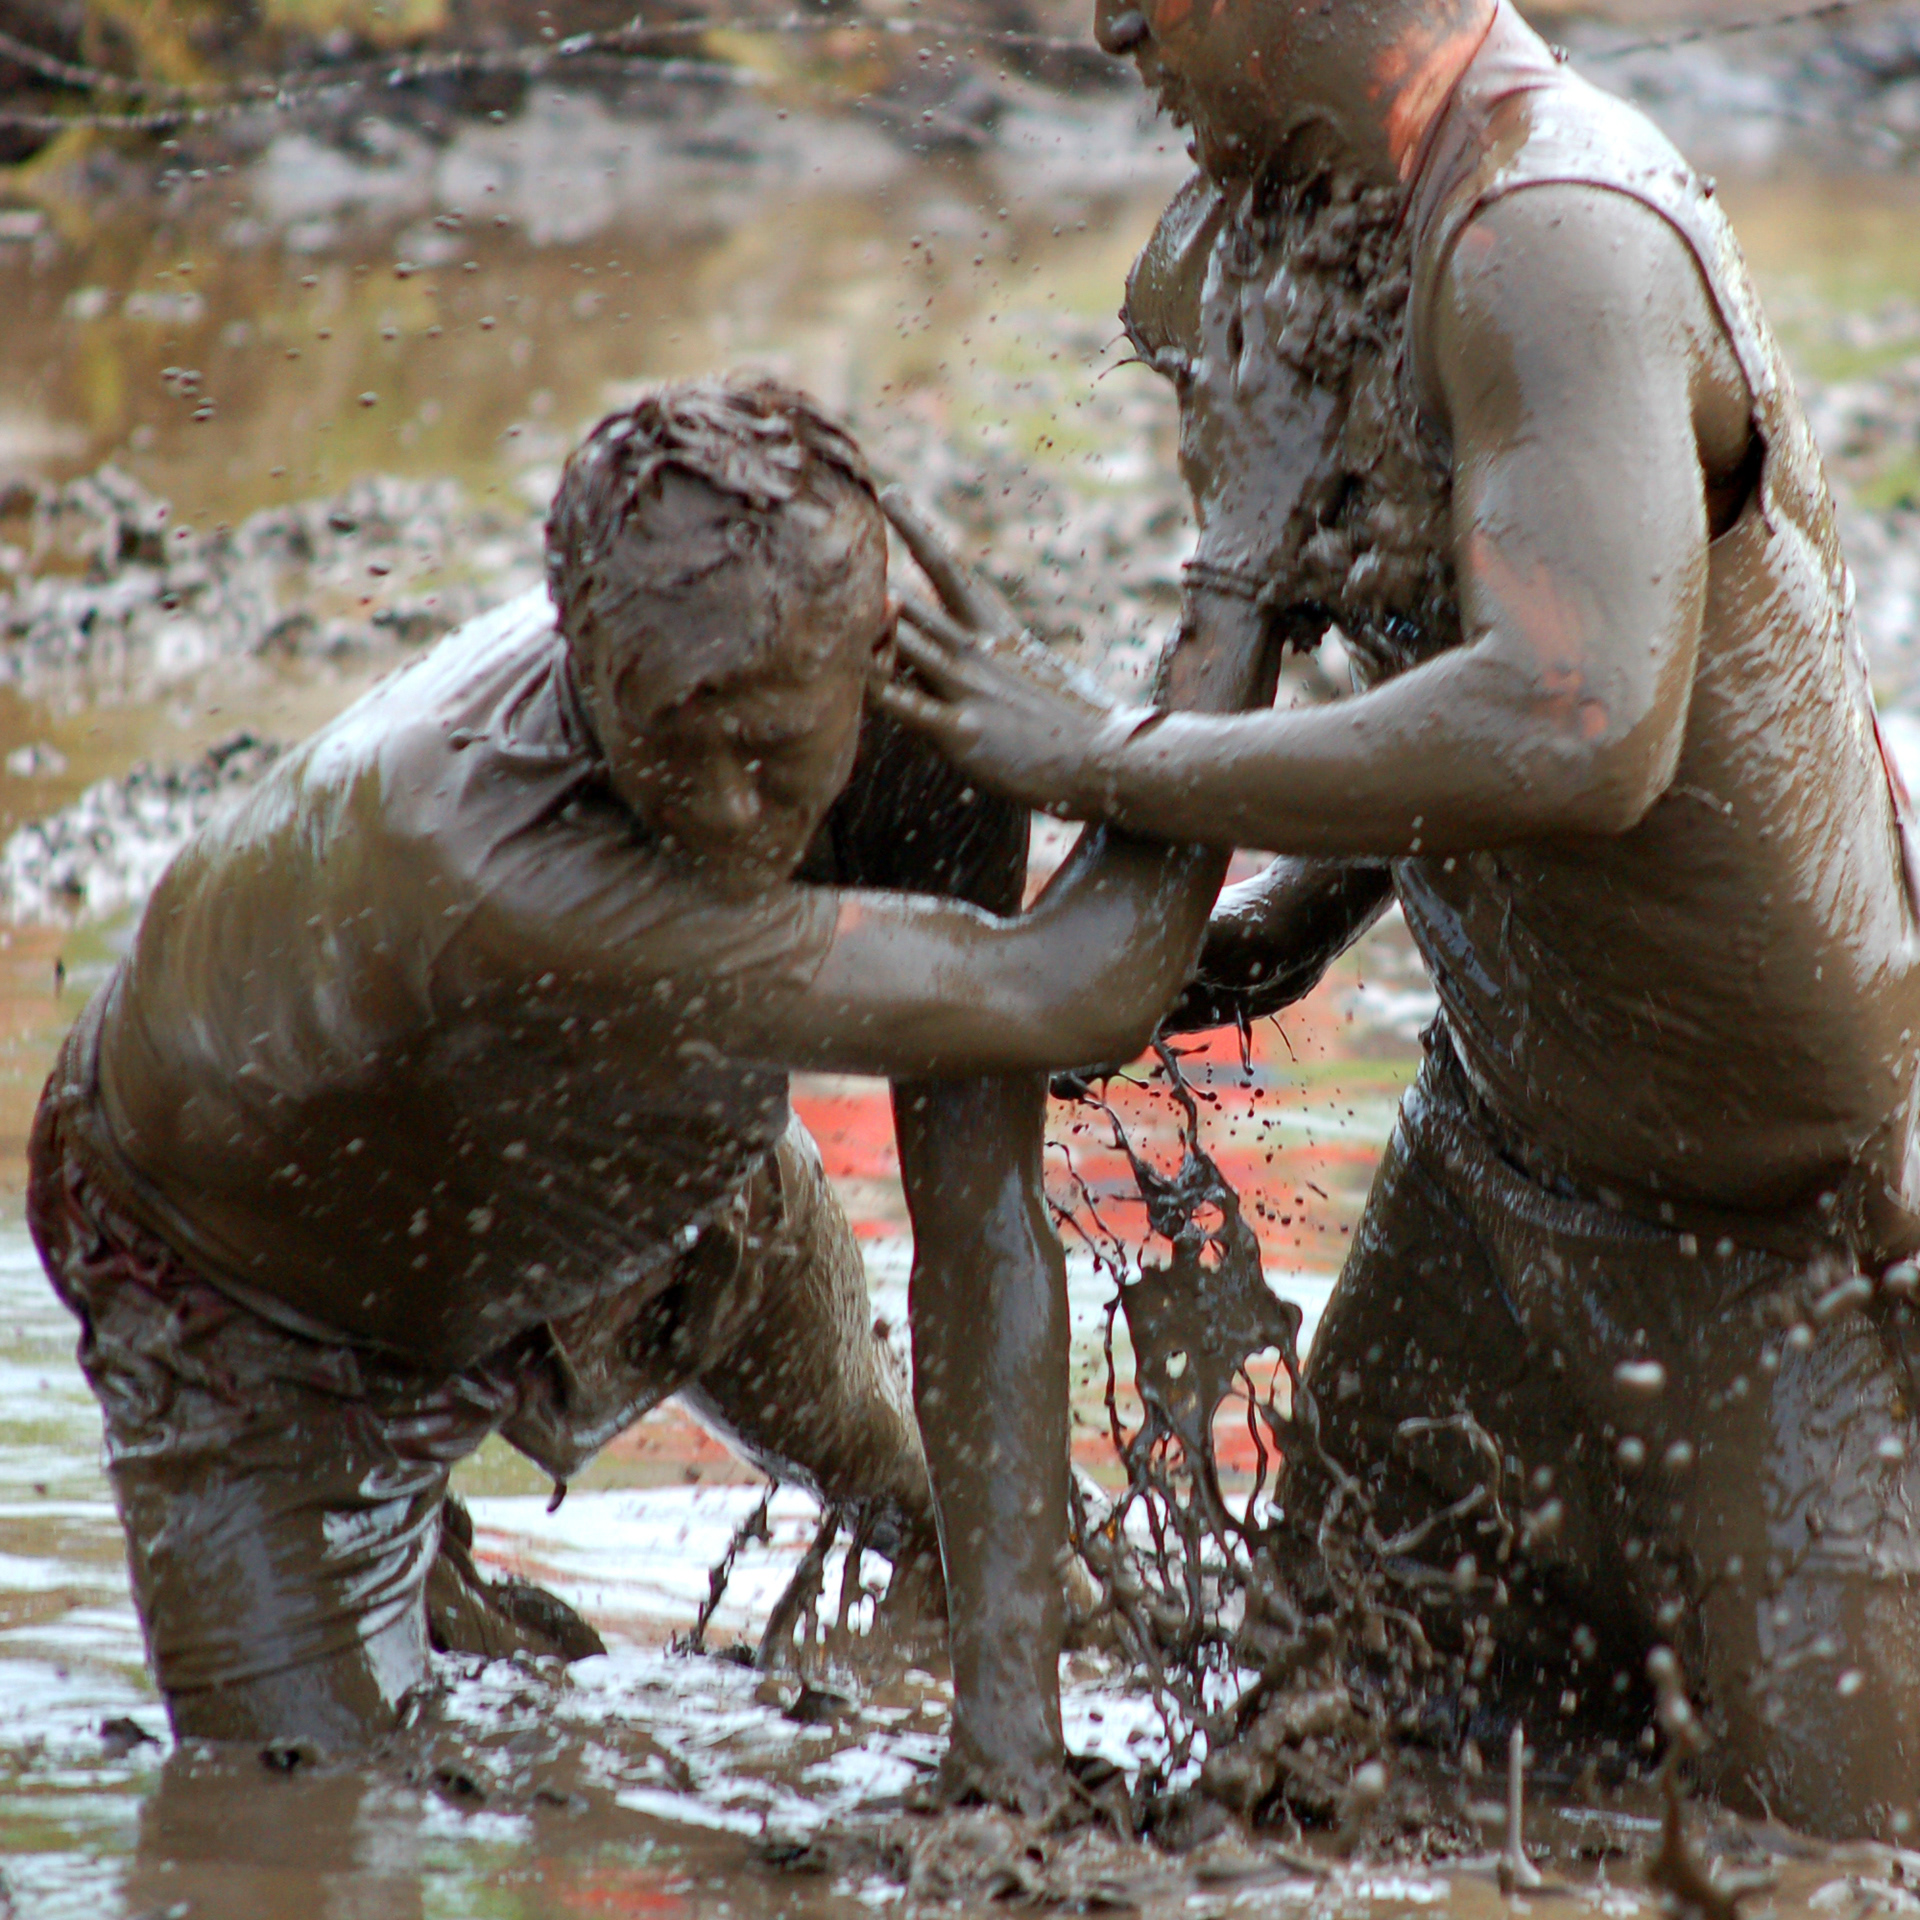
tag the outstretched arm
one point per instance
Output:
(1271, 938)
(1590, 396)
(915, 987)
(989, 1300)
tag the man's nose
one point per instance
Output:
(1118, 26)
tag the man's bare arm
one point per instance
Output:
(1271, 939)
(1589, 390)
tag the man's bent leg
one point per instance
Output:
(1780, 1486)
(281, 1497)
(990, 1377)
(1424, 1328)
(793, 1371)
(281, 1598)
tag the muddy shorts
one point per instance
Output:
(282, 1495)
(1686, 1447)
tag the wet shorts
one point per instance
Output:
(1694, 1447)
(281, 1495)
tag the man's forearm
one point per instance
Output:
(1271, 939)
(1462, 752)
(1223, 660)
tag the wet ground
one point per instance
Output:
(333, 386)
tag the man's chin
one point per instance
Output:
(726, 868)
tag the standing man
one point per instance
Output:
(1469, 364)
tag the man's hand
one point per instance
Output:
(993, 700)
(977, 612)
(1013, 729)
(1259, 437)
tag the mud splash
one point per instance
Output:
(1289, 1647)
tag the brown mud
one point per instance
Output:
(777, 285)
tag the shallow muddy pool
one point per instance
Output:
(457, 310)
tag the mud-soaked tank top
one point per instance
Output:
(404, 1049)
(1719, 1006)
(1714, 1013)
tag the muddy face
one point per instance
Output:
(1275, 85)
(739, 774)
(729, 710)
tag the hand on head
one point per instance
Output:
(992, 699)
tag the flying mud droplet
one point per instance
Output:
(1647, 1377)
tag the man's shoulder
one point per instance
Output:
(1561, 203)
(460, 674)
(379, 791)
(1602, 155)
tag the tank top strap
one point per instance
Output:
(1520, 118)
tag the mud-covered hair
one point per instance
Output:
(798, 517)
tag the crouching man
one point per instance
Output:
(444, 1093)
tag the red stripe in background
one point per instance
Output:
(853, 1123)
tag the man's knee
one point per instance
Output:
(808, 1385)
(284, 1598)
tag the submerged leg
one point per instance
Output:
(1795, 1514)
(281, 1497)
(990, 1378)
(284, 1603)
(1424, 1328)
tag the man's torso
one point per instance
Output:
(403, 1046)
(1715, 1007)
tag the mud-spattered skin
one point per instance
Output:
(1606, 725)
(462, 1041)
(1614, 738)
(991, 1368)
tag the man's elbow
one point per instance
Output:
(1092, 1015)
(1108, 1040)
(1604, 783)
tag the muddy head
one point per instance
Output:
(719, 564)
(1297, 87)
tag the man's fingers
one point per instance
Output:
(966, 595)
(953, 674)
(1019, 658)
(932, 622)
(915, 710)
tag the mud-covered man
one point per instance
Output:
(444, 1092)
(1469, 365)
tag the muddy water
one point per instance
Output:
(464, 310)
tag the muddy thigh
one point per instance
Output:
(1430, 1393)
(796, 1375)
(281, 1496)
(1702, 1443)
